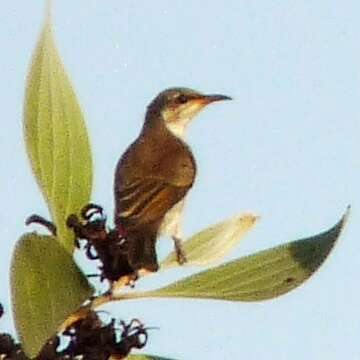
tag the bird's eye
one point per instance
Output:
(181, 99)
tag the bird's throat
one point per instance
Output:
(178, 127)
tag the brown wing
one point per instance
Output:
(153, 175)
(146, 201)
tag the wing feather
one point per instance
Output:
(148, 200)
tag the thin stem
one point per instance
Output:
(37, 219)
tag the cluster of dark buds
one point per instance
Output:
(89, 339)
(108, 246)
(103, 244)
(9, 349)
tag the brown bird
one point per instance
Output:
(154, 175)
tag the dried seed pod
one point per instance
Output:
(9, 350)
(90, 339)
(107, 246)
(93, 339)
(49, 350)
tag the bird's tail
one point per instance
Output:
(141, 248)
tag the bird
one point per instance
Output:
(154, 175)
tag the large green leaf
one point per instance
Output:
(146, 357)
(46, 287)
(264, 275)
(56, 137)
(215, 242)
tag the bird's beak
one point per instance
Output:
(215, 97)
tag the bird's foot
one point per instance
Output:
(179, 250)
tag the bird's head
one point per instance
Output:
(177, 106)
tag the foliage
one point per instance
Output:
(47, 286)
(56, 137)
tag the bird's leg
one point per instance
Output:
(179, 250)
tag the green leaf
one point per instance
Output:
(264, 275)
(146, 357)
(214, 243)
(46, 287)
(56, 137)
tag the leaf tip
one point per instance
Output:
(246, 219)
(348, 209)
(250, 217)
(345, 217)
(48, 12)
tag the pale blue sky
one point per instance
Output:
(287, 148)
